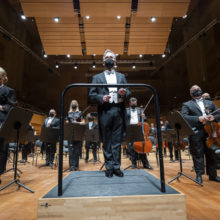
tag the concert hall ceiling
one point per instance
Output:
(89, 27)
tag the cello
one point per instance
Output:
(143, 147)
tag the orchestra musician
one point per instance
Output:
(74, 116)
(206, 96)
(194, 112)
(51, 122)
(93, 145)
(133, 116)
(7, 100)
(111, 109)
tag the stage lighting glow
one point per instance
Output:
(45, 55)
(163, 55)
(140, 55)
(133, 66)
(153, 19)
(119, 17)
(87, 17)
(75, 66)
(56, 19)
(185, 16)
(23, 17)
(68, 55)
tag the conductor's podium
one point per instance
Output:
(90, 195)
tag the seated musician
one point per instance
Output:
(51, 122)
(194, 111)
(93, 145)
(206, 96)
(133, 116)
(74, 116)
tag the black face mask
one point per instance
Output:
(133, 106)
(197, 93)
(74, 106)
(90, 119)
(51, 115)
(208, 98)
(109, 63)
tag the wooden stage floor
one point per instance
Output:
(202, 203)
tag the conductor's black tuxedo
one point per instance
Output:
(191, 112)
(50, 147)
(7, 100)
(111, 120)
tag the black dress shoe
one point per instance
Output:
(214, 178)
(199, 179)
(118, 172)
(109, 173)
(148, 166)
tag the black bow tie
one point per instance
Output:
(109, 72)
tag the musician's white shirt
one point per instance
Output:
(134, 116)
(200, 103)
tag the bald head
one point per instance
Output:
(206, 96)
(196, 92)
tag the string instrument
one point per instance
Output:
(213, 131)
(143, 147)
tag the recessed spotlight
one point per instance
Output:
(118, 17)
(45, 55)
(68, 55)
(57, 65)
(75, 66)
(87, 17)
(163, 55)
(133, 66)
(56, 19)
(93, 65)
(94, 54)
(153, 19)
(23, 17)
(140, 55)
(184, 16)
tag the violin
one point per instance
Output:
(213, 131)
(143, 147)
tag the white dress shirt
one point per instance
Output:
(49, 121)
(111, 78)
(200, 103)
(134, 116)
(90, 125)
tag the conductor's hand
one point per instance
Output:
(106, 98)
(122, 91)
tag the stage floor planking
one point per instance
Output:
(91, 195)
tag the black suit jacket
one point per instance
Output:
(55, 123)
(128, 115)
(191, 112)
(94, 125)
(7, 100)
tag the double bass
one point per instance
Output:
(143, 147)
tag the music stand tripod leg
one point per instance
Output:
(102, 167)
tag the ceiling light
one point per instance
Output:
(56, 19)
(93, 65)
(87, 17)
(140, 55)
(68, 55)
(153, 19)
(119, 17)
(23, 17)
(185, 16)
(133, 66)
(94, 54)
(163, 55)
(57, 65)
(45, 55)
(75, 66)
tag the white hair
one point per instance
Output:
(109, 51)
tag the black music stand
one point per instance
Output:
(15, 127)
(49, 135)
(92, 136)
(134, 133)
(182, 128)
(73, 132)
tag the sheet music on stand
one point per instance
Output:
(74, 132)
(134, 133)
(92, 135)
(49, 135)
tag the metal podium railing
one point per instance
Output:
(89, 85)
